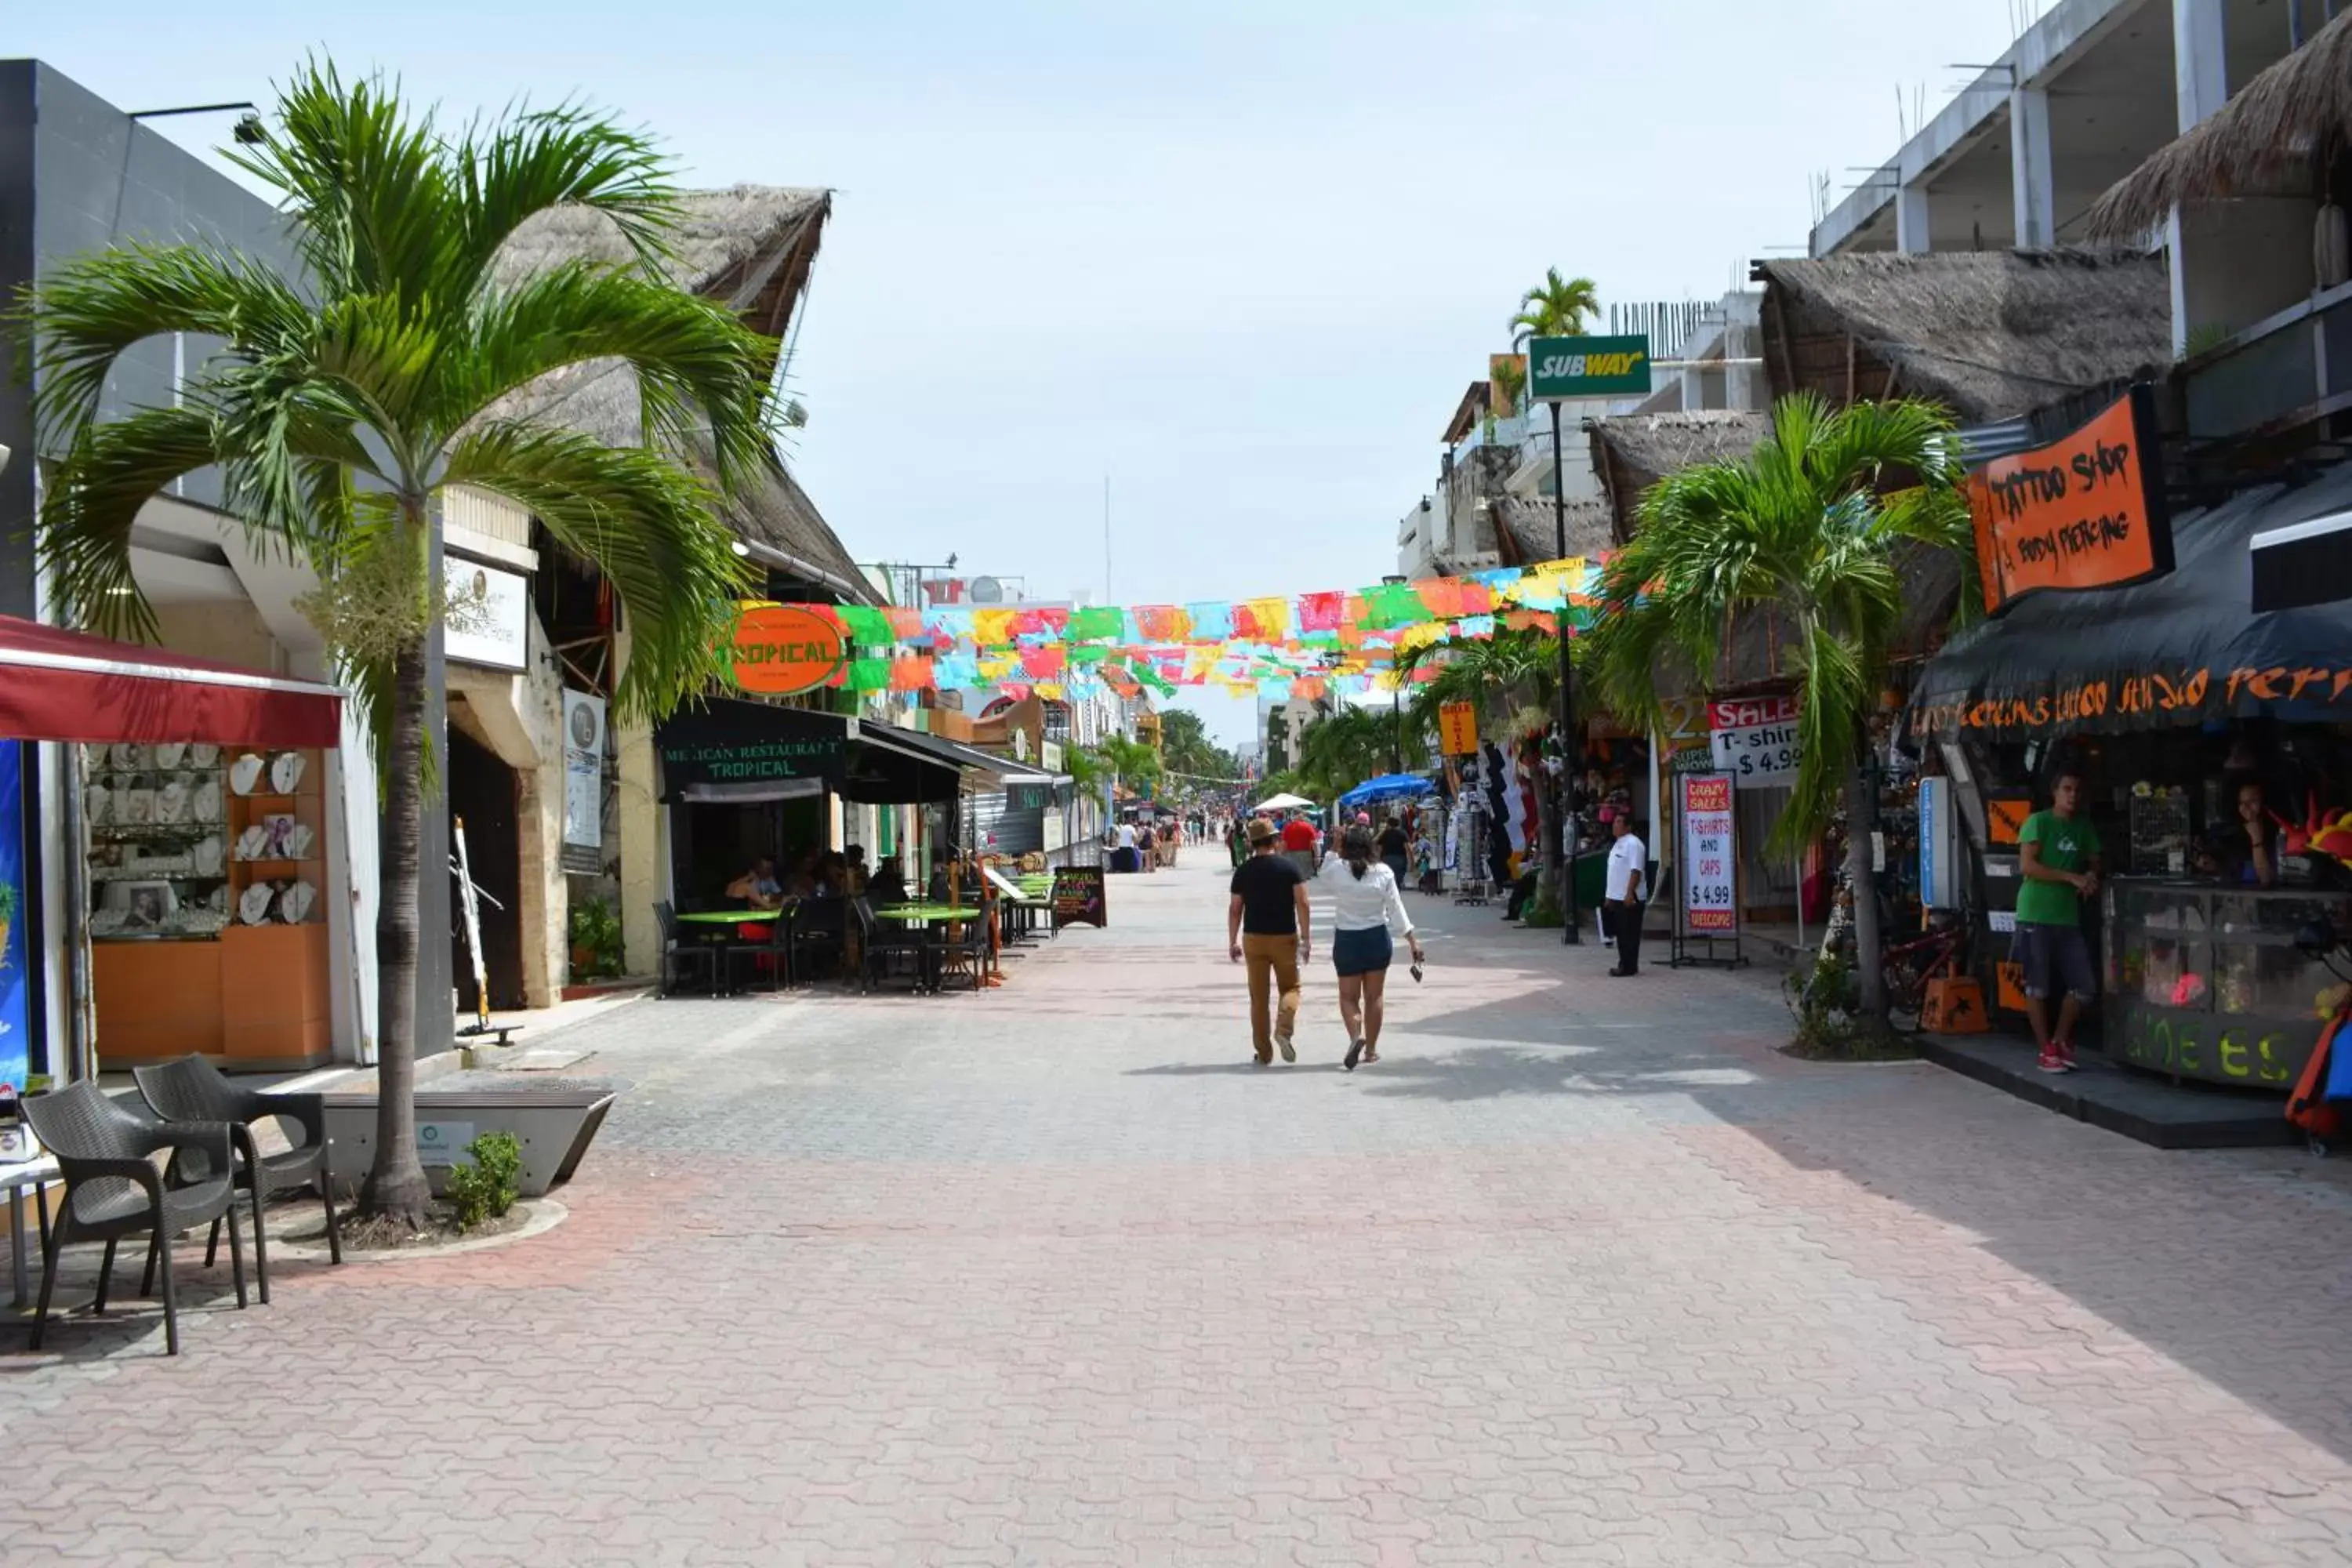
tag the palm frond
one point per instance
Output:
(88, 311)
(562, 157)
(646, 523)
(93, 499)
(702, 374)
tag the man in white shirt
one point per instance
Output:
(1628, 859)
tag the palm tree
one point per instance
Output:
(1558, 308)
(1341, 750)
(1811, 527)
(340, 406)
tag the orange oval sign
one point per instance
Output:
(784, 648)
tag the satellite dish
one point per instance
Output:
(987, 591)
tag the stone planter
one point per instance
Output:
(553, 1119)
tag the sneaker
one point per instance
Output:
(2065, 1049)
(1289, 1052)
(2052, 1061)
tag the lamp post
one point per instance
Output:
(1565, 809)
(1396, 699)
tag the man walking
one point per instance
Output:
(2058, 855)
(1629, 857)
(1266, 925)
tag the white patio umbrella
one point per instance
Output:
(1283, 802)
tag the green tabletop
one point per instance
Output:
(732, 916)
(928, 912)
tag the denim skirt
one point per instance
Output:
(1362, 951)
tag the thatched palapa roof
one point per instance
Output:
(1527, 535)
(1990, 334)
(751, 247)
(1633, 451)
(2268, 141)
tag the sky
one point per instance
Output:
(1240, 259)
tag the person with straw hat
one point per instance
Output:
(1267, 927)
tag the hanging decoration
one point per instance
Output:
(1310, 645)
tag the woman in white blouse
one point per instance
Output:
(1366, 910)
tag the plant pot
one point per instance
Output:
(583, 961)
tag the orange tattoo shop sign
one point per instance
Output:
(2085, 511)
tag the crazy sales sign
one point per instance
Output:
(2085, 511)
(1710, 866)
(1755, 739)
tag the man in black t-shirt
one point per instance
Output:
(1266, 925)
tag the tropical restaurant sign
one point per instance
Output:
(782, 649)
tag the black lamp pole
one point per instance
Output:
(1566, 809)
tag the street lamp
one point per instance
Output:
(250, 130)
(1567, 797)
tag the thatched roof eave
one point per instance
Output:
(2264, 142)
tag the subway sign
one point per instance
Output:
(1589, 367)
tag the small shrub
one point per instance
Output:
(485, 1190)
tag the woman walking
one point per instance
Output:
(1367, 910)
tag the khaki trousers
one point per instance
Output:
(1273, 961)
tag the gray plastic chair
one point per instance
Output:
(193, 1089)
(106, 1154)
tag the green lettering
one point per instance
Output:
(2233, 1057)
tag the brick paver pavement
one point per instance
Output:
(1583, 1272)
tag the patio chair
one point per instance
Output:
(963, 949)
(820, 934)
(771, 954)
(883, 942)
(193, 1089)
(679, 956)
(106, 1154)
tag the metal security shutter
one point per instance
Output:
(1017, 832)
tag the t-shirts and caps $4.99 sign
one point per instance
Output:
(1709, 865)
(2085, 511)
(1755, 739)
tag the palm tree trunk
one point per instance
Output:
(1861, 820)
(395, 1184)
(1549, 893)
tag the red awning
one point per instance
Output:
(57, 685)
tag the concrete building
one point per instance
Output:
(2079, 101)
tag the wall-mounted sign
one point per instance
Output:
(1589, 367)
(1755, 740)
(488, 616)
(584, 782)
(1710, 859)
(2085, 511)
(781, 650)
(1457, 728)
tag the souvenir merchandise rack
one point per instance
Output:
(208, 933)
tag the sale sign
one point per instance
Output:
(1710, 856)
(1755, 739)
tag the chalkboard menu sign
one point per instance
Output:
(1079, 897)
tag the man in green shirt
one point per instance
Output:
(2059, 858)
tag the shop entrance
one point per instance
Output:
(482, 792)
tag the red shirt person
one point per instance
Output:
(1299, 834)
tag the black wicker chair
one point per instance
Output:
(106, 1154)
(885, 940)
(678, 956)
(192, 1090)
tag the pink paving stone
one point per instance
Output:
(1582, 1272)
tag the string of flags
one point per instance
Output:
(1341, 643)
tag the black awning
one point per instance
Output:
(889, 767)
(2184, 648)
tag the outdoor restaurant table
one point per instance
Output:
(729, 921)
(14, 1178)
(929, 914)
